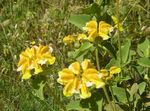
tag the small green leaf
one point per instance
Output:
(75, 105)
(120, 93)
(38, 84)
(39, 92)
(145, 62)
(142, 87)
(134, 89)
(113, 62)
(85, 46)
(125, 50)
(79, 20)
(143, 48)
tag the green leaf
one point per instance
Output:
(142, 87)
(134, 89)
(113, 62)
(143, 48)
(145, 62)
(38, 84)
(85, 46)
(120, 93)
(122, 79)
(125, 50)
(79, 20)
(75, 105)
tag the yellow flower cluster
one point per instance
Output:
(33, 58)
(95, 29)
(108, 74)
(78, 77)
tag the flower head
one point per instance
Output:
(94, 30)
(68, 39)
(78, 77)
(117, 24)
(108, 74)
(33, 58)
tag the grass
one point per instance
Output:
(46, 22)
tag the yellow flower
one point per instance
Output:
(33, 42)
(34, 58)
(91, 28)
(108, 74)
(117, 24)
(78, 77)
(81, 37)
(68, 39)
(104, 29)
(94, 30)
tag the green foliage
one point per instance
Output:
(47, 22)
(38, 84)
(79, 20)
(120, 93)
(145, 62)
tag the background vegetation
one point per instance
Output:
(46, 22)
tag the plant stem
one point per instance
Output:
(108, 99)
(104, 89)
(97, 59)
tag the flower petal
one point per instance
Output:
(69, 89)
(84, 91)
(65, 76)
(75, 68)
(104, 36)
(84, 64)
(90, 26)
(91, 75)
(104, 29)
(26, 75)
(92, 35)
(77, 85)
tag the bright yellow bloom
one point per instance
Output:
(91, 28)
(108, 74)
(78, 77)
(117, 24)
(104, 29)
(68, 39)
(94, 30)
(34, 58)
